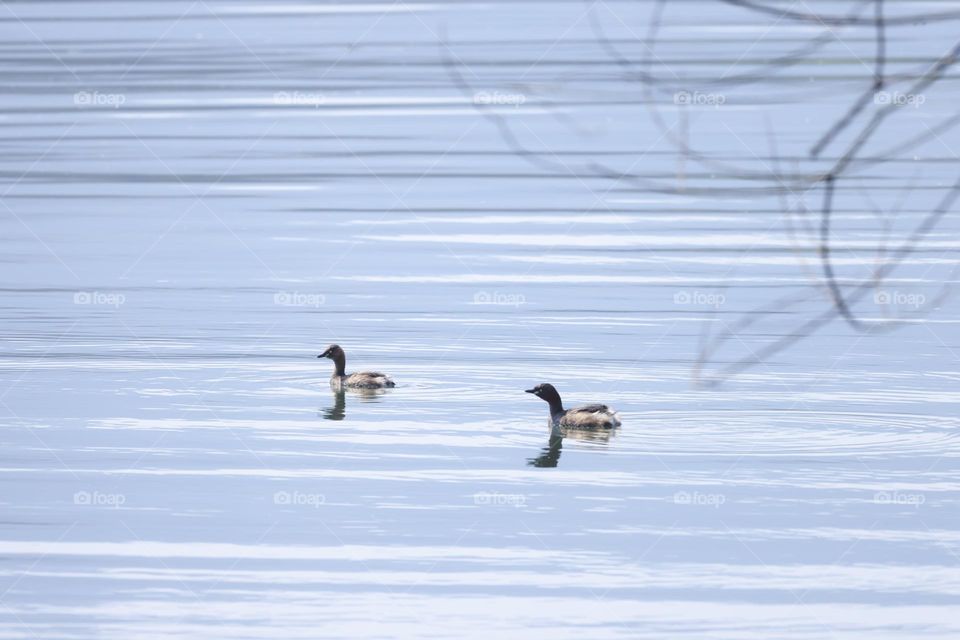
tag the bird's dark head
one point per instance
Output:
(332, 352)
(546, 392)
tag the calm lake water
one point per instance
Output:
(198, 197)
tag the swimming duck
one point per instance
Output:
(590, 416)
(360, 380)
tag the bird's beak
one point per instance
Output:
(530, 391)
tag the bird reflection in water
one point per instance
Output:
(550, 455)
(339, 409)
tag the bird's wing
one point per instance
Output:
(591, 416)
(369, 377)
(590, 408)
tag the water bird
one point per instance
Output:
(360, 380)
(590, 416)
